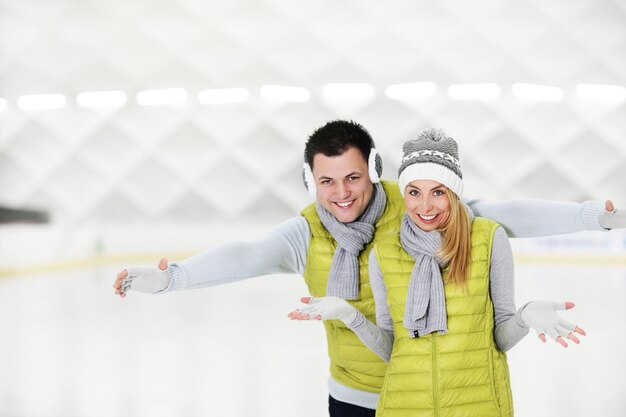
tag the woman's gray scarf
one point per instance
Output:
(425, 310)
(343, 279)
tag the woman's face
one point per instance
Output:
(427, 204)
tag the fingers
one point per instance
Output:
(310, 309)
(561, 341)
(163, 264)
(120, 277)
(608, 205)
(573, 338)
(299, 315)
(118, 291)
(560, 333)
(559, 337)
(566, 305)
(552, 332)
(117, 284)
(306, 300)
(569, 326)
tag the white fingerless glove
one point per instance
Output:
(542, 317)
(612, 219)
(330, 308)
(147, 280)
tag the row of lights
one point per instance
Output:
(338, 92)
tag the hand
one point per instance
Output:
(325, 308)
(542, 316)
(142, 279)
(612, 218)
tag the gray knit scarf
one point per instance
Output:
(425, 310)
(343, 279)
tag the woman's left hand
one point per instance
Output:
(542, 316)
(325, 308)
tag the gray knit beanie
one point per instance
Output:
(432, 156)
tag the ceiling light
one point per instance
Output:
(348, 91)
(283, 93)
(98, 99)
(411, 91)
(601, 92)
(484, 91)
(537, 92)
(223, 96)
(41, 101)
(161, 97)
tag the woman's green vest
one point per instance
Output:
(351, 363)
(460, 373)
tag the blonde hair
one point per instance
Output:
(456, 246)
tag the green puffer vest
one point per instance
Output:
(351, 363)
(460, 373)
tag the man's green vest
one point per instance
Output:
(460, 373)
(351, 363)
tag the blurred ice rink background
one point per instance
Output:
(148, 128)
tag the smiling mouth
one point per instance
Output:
(345, 205)
(427, 219)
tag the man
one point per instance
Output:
(330, 242)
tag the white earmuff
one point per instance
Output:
(371, 165)
(309, 180)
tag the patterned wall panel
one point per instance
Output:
(193, 162)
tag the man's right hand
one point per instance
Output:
(142, 279)
(611, 217)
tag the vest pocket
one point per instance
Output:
(383, 391)
(500, 382)
(494, 384)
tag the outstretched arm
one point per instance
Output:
(283, 250)
(511, 325)
(378, 338)
(335, 308)
(534, 218)
(509, 329)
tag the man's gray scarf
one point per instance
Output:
(425, 310)
(343, 279)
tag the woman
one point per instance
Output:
(444, 298)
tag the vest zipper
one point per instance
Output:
(435, 377)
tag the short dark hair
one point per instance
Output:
(336, 137)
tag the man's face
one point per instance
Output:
(343, 184)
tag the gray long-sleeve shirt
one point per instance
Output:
(285, 248)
